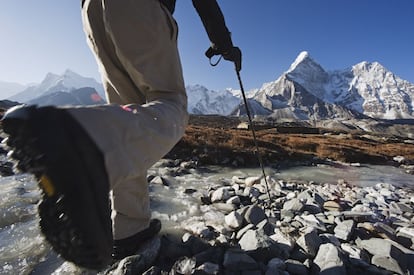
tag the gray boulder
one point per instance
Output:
(236, 260)
(343, 230)
(328, 261)
(254, 214)
(389, 255)
(309, 241)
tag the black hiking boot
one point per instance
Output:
(75, 208)
(129, 246)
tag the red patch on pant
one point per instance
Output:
(96, 98)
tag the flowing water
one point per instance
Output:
(363, 176)
(24, 251)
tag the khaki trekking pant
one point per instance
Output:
(135, 45)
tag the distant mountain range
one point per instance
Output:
(305, 91)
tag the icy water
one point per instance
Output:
(355, 175)
(23, 250)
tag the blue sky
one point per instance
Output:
(44, 36)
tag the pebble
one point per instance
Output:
(309, 241)
(250, 181)
(329, 261)
(344, 230)
(221, 194)
(254, 214)
(234, 220)
(332, 206)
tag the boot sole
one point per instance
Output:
(75, 208)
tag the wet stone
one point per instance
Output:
(255, 239)
(291, 207)
(400, 208)
(296, 267)
(224, 207)
(267, 227)
(208, 268)
(242, 231)
(311, 220)
(332, 206)
(159, 181)
(407, 232)
(221, 194)
(234, 200)
(236, 260)
(330, 238)
(312, 207)
(213, 254)
(238, 180)
(309, 241)
(196, 227)
(388, 254)
(195, 244)
(353, 251)
(185, 266)
(250, 181)
(361, 208)
(358, 216)
(276, 264)
(291, 195)
(344, 229)
(252, 192)
(329, 261)
(234, 220)
(153, 270)
(140, 262)
(385, 229)
(284, 241)
(254, 214)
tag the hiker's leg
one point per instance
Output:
(135, 44)
(132, 208)
(118, 86)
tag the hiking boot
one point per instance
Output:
(129, 246)
(75, 208)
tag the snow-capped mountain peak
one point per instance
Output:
(304, 64)
(52, 83)
(304, 70)
(299, 60)
(204, 101)
(382, 93)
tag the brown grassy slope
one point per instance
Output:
(215, 140)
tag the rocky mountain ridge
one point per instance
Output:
(208, 102)
(306, 91)
(53, 83)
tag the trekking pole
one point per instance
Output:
(259, 157)
(210, 53)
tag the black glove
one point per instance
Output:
(233, 54)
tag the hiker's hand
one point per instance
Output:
(235, 55)
(232, 54)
